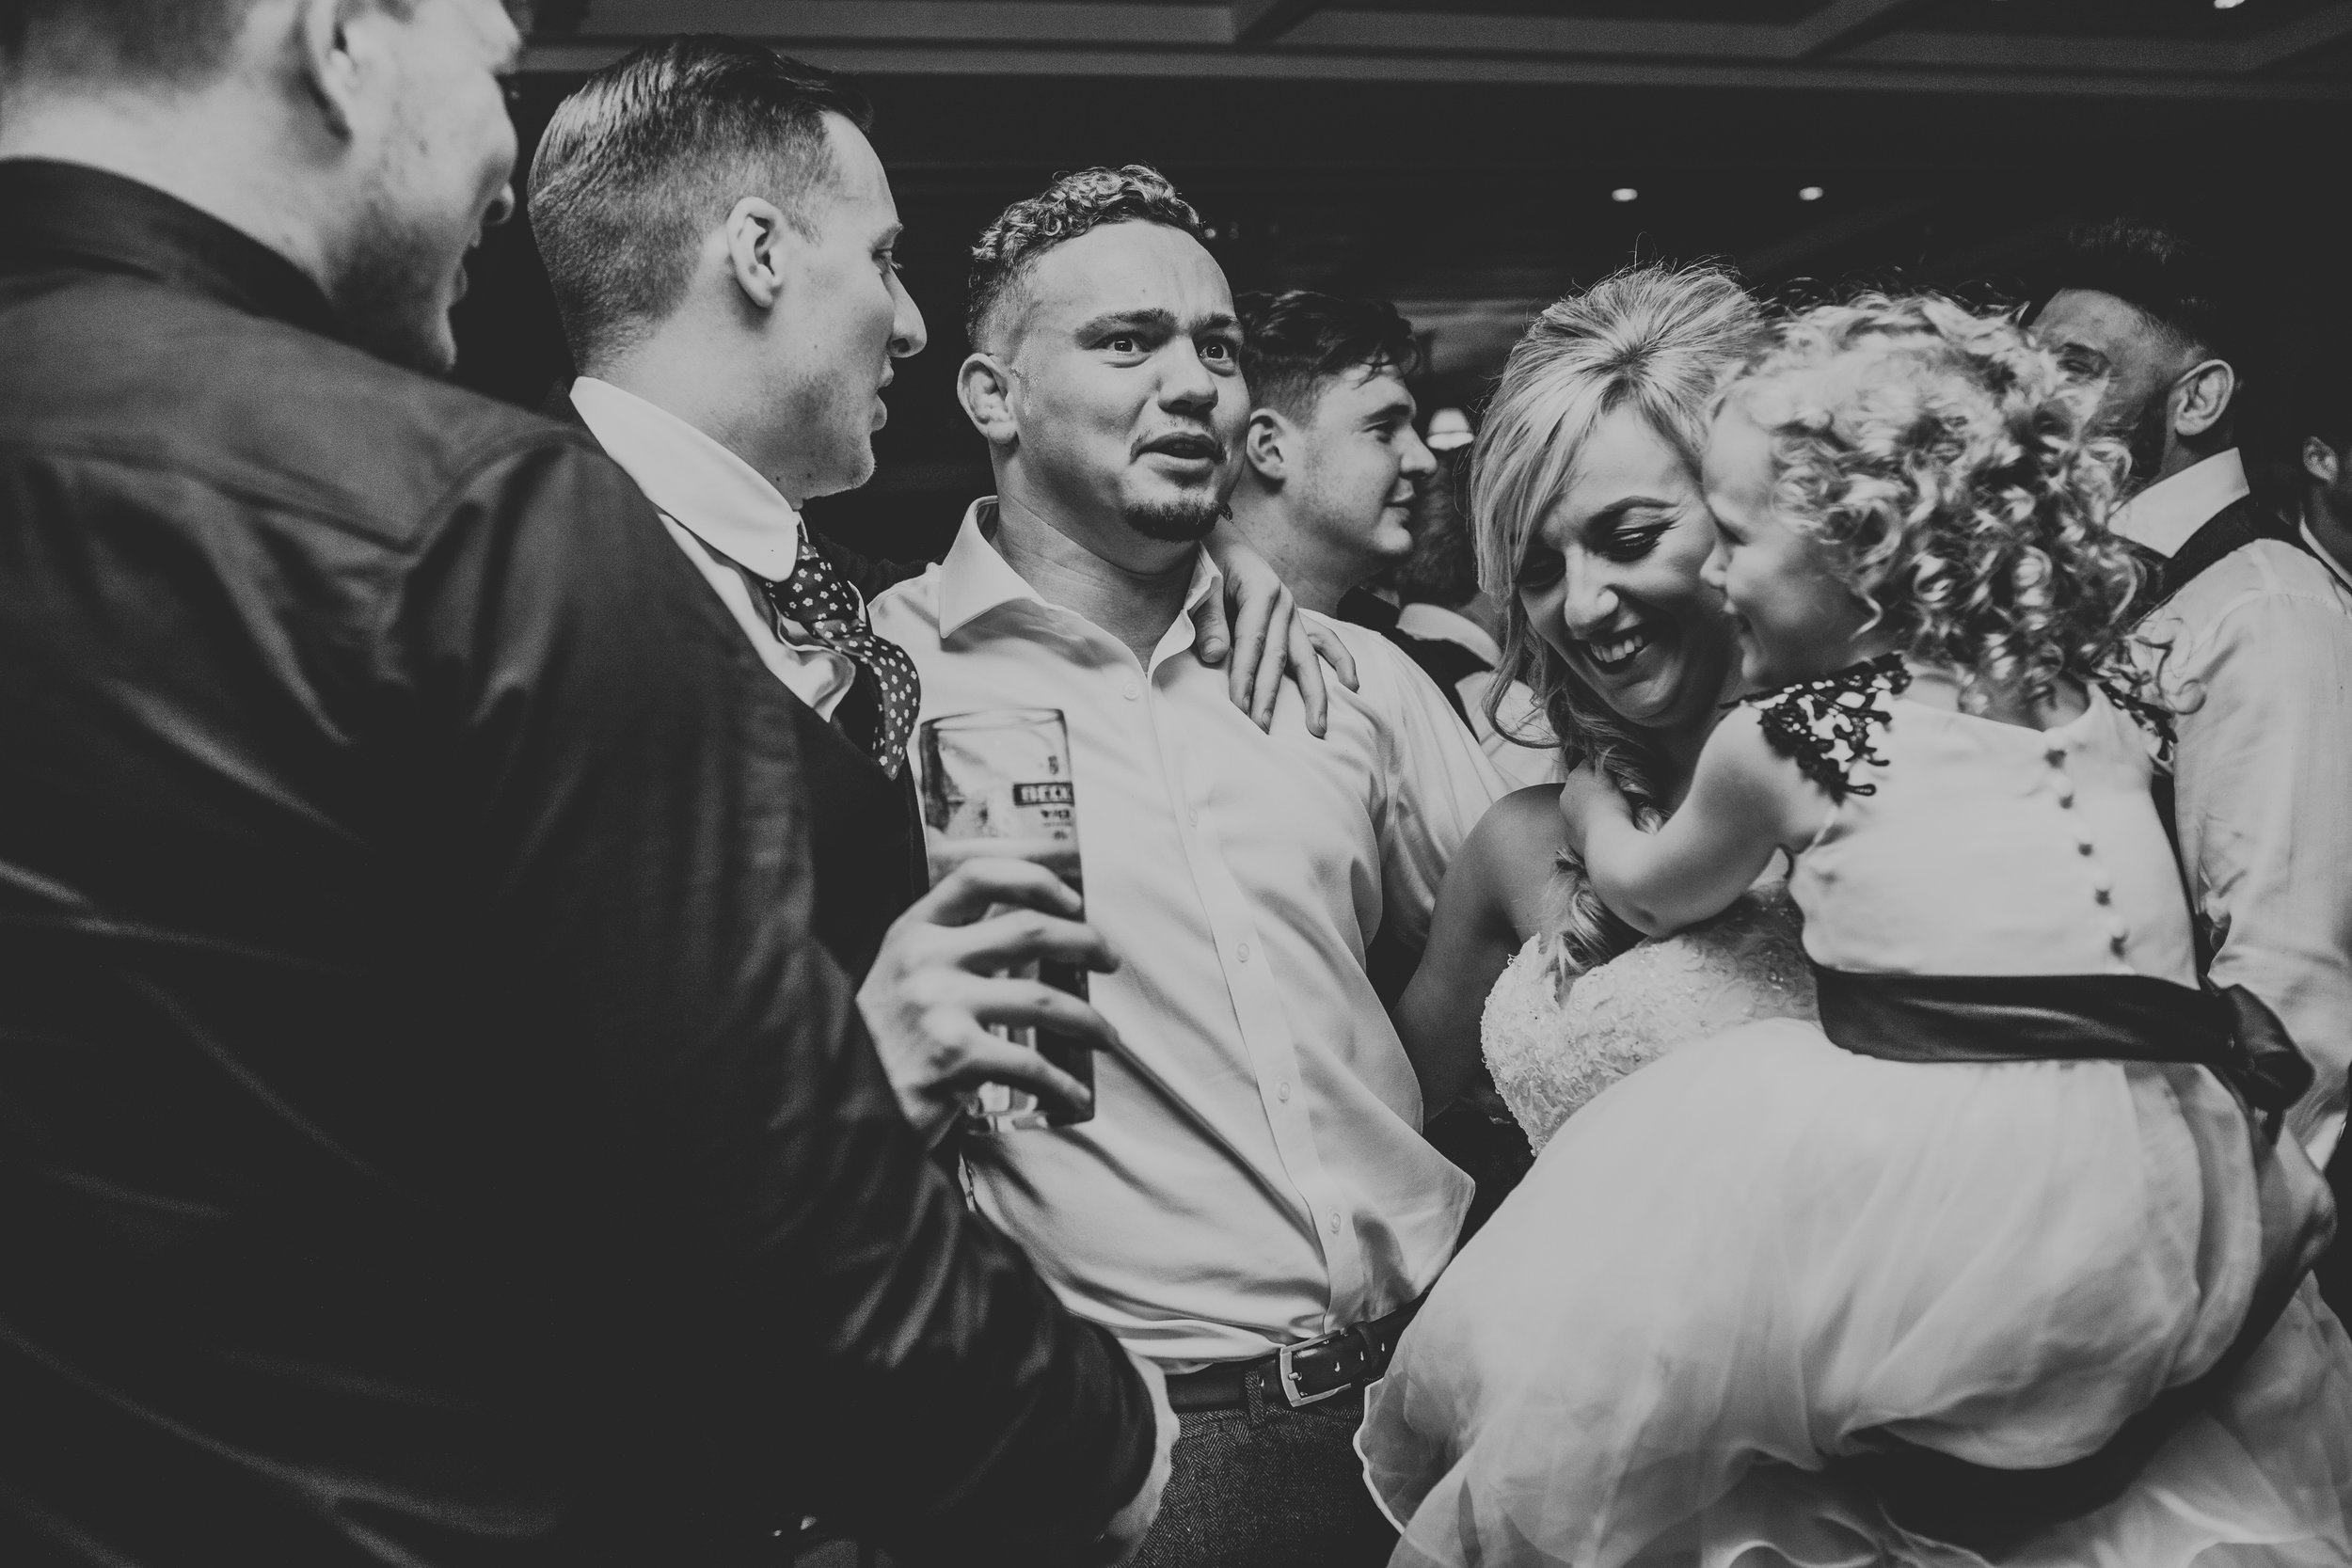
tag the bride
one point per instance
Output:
(1589, 504)
(1586, 500)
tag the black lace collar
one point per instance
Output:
(1828, 725)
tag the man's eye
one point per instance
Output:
(1121, 344)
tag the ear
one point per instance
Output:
(2320, 461)
(332, 70)
(2202, 398)
(984, 386)
(1268, 445)
(759, 242)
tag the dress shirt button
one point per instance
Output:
(1283, 1091)
(1132, 691)
(1241, 951)
(1193, 816)
(1335, 1221)
(2064, 794)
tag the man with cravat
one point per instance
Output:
(433, 1134)
(719, 234)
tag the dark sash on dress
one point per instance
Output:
(2030, 1017)
(2010, 1017)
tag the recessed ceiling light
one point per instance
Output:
(1810, 193)
(1624, 193)
(2227, 5)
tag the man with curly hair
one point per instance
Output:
(1253, 1204)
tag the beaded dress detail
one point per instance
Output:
(1551, 1048)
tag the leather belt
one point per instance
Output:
(1297, 1375)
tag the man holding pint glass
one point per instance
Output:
(1247, 1200)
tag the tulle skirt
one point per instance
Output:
(1761, 1253)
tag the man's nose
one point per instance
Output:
(1185, 383)
(502, 207)
(1420, 462)
(907, 332)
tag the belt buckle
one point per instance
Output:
(1289, 1375)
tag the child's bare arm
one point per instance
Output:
(1745, 802)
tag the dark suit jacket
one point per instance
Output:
(430, 1132)
(864, 827)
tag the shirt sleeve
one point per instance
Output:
(613, 798)
(2262, 766)
(1438, 783)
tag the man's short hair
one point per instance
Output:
(651, 153)
(149, 40)
(2162, 274)
(1296, 342)
(1072, 205)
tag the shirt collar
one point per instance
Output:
(75, 215)
(975, 579)
(2311, 539)
(2164, 517)
(1435, 624)
(711, 492)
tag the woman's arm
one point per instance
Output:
(1745, 802)
(1491, 899)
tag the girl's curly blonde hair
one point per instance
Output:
(1949, 466)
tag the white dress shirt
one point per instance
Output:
(2165, 516)
(2325, 556)
(2258, 655)
(1254, 1173)
(724, 516)
(1519, 765)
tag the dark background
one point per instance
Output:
(1471, 203)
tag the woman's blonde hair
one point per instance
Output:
(1658, 340)
(1949, 466)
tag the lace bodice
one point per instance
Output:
(1549, 1053)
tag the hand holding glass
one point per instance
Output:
(998, 784)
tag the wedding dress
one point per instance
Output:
(1760, 1253)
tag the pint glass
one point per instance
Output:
(1004, 775)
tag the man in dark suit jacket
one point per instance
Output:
(430, 1130)
(719, 234)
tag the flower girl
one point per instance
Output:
(2001, 1262)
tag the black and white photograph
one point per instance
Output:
(1149, 784)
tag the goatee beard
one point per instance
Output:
(1178, 522)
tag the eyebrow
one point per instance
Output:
(1615, 510)
(1397, 407)
(1164, 321)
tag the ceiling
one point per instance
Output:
(2170, 48)
(1463, 160)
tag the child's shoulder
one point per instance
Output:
(1828, 726)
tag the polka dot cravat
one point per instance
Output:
(815, 606)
